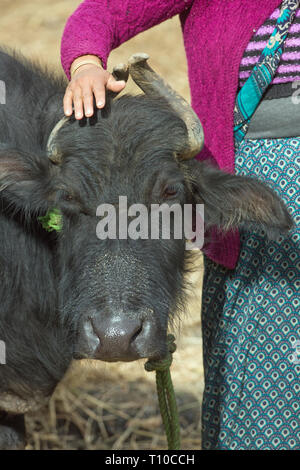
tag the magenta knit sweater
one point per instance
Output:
(216, 33)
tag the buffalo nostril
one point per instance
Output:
(88, 341)
(117, 337)
(136, 334)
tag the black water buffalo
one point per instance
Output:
(67, 293)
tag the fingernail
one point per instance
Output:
(100, 104)
(89, 112)
(78, 115)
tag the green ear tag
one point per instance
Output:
(52, 220)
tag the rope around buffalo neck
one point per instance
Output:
(166, 394)
(165, 390)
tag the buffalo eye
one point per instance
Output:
(65, 196)
(170, 191)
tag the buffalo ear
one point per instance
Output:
(233, 201)
(24, 179)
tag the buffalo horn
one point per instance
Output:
(52, 150)
(152, 84)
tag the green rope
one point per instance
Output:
(166, 395)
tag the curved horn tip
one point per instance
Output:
(120, 67)
(121, 72)
(50, 146)
(190, 155)
(137, 58)
(198, 146)
(55, 158)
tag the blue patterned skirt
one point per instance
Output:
(251, 321)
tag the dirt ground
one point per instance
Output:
(99, 405)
